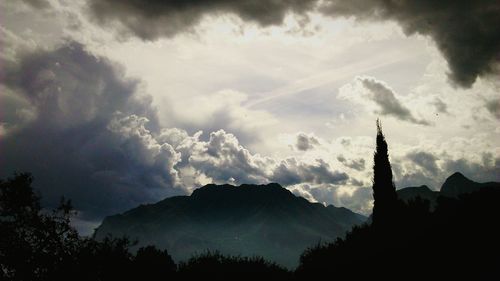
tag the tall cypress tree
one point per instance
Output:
(384, 191)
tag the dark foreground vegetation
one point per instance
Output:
(459, 238)
(40, 245)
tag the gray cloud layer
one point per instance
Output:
(386, 99)
(86, 132)
(466, 32)
(39, 4)
(425, 160)
(356, 164)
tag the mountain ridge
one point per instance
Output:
(454, 186)
(266, 220)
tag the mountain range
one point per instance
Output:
(247, 220)
(454, 186)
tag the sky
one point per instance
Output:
(118, 103)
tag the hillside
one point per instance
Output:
(266, 220)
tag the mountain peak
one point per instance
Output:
(457, 175)
(457, 184)
(456, 179)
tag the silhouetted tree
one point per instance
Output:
(38, 244)
(384, 191)
(35, 243)
(151, 263)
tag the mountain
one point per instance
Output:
(454, 186)
(266, 220)
(423, 191)
(458, 184)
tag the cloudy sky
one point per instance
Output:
(114, 103)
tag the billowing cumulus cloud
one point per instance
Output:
(87, 132)
(142, 148)
(65, 128)
(223, 159)
(305, 142)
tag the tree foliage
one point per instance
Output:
(384, 191)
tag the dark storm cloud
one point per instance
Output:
(466, 32)
(84, 138)
(386, 99)
(305, 142)
(150, 20)
(493, 106)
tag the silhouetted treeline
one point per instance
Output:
(460, 238)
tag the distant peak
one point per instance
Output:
(456, 178)
(457, 175)
(457, 184)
